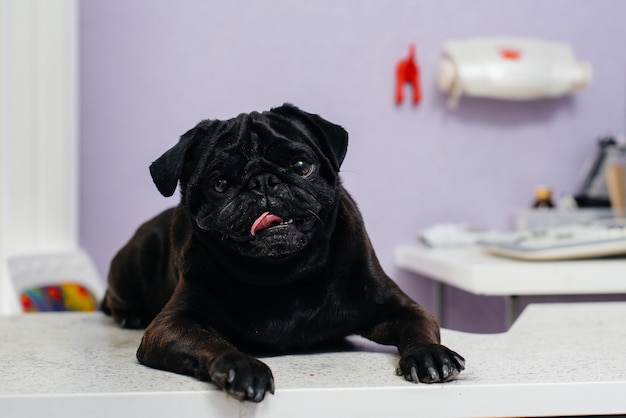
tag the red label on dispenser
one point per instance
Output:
(510, 53)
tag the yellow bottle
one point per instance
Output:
(543, 197)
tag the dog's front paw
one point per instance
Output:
(430, 364)
(242, 376)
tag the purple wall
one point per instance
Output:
(152, 69)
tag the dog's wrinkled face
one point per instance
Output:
(264, 184)
(265, 194)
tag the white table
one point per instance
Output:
(475, 271)
(562, 359)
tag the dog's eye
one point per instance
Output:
(221, 185)
(302, 168)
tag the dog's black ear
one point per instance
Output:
(333, 138)
(168, 168)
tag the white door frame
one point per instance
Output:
(38, 130)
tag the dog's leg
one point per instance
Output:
(174, 341)
(128, 316)
(139, 280)
(416, 334)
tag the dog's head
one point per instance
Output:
(264, 184)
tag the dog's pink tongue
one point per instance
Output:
(265, 221)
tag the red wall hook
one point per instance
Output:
(407, 72)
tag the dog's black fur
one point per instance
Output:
(266, 252)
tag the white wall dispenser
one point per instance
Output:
(510, 68)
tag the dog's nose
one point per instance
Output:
(264, 183)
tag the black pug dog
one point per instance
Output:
(266, 253)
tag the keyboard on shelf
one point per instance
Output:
(591, 240)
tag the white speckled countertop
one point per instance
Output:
(562, 359)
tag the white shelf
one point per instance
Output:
(473, 270)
